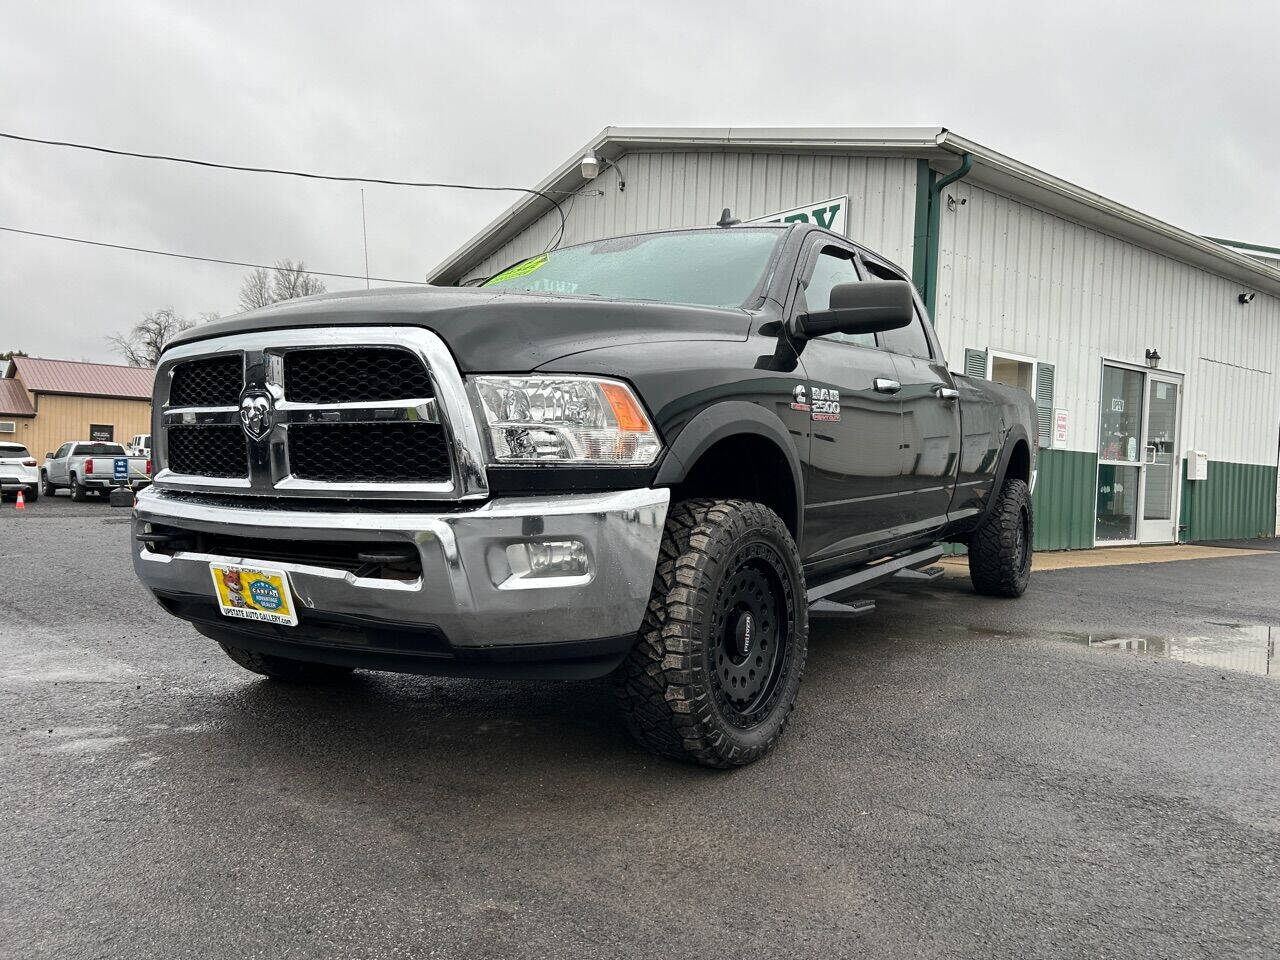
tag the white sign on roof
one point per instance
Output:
(825, 213)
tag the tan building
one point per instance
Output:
(45, 403)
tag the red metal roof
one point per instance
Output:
(89, 379)
(14, 401)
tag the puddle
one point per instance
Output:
(1243, 648)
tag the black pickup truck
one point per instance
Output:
(649, 457)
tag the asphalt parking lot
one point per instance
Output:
(963, 776)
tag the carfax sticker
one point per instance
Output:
(247, 593)
(824, 405)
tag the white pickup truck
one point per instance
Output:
(84, 465)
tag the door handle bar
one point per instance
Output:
(946, 393)
(885, 385)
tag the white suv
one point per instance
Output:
(18, 471)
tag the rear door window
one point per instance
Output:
(911, 340)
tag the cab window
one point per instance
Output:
(910, 340)
(833, 266)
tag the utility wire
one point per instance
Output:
(295, 173)
(189, 256)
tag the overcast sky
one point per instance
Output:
(1169, 107)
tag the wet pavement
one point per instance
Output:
(1091, 771)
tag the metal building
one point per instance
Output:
(1153, 353)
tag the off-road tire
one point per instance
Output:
(1000, 549)
(46, 485)
(78, 492)
(285, 669)
(670, 686)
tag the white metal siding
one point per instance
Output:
(667, 190)
(1013, 277)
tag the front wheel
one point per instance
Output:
(46, 487)
(715, 671)
(283, 668)
(1000, 549)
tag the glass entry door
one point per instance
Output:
(1161, 476)
(1138, 477)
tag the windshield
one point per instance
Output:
(13, 450)
(713, 268)
(98, 450)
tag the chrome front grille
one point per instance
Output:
(208, 382)
(372, 452)
(368, 411)
(212, 450)
(354, 375)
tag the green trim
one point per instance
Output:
(1245, 246)
(1065, 499)
(920, 245)
(1237, 500)
(924, 253)
(930, 294)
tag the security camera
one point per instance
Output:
(1246, 297)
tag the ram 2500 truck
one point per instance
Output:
(647, 457)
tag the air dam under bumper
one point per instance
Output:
(468, 598)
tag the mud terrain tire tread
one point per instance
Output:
(661, 686)
(998, 566)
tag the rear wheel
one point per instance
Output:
(285, 669)
(78, 491)
(1000, 549)
(715, 671)
(32, 495)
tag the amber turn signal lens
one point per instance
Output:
(628, 413)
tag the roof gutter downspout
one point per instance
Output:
(929, 189)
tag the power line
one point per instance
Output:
(190, 256)
(294, 173)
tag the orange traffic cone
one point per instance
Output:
(21, 503)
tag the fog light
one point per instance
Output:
(548, 558)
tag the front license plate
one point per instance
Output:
(251, 593)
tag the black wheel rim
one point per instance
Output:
(750, 641)
(1024, 540)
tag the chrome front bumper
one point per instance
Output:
(467, 591)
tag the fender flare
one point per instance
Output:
(726, 419)
(1015, 433)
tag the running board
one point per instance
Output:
(831, 608)
(874, 574)
(928, 574)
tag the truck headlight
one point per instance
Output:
(565, 419)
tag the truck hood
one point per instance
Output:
(492, 332)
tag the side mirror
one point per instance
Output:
(48, 456)
(866, 307)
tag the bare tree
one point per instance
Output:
(142, 346)
(262, 287)
(255, 289)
